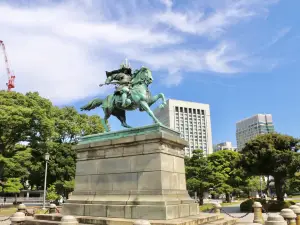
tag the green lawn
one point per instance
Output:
(7, 211)
(206, 207)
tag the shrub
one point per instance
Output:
(270, 206)
(276, 206)
(246, 206)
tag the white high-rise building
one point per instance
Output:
(227, 145)
(249, 128)
(192, 120)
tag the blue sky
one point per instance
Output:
(239, 56)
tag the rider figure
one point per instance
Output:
(123, 76)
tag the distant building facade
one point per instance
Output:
(227, 145)
(249, 128)
(192, 120)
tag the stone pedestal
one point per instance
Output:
(134, 174)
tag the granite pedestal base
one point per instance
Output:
(135, 174)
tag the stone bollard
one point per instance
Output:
(275, 220)
(21, 208)
(217, 208)
(18, 218)
(141, 222)
(52, 208)
(298, 204)
(296, 210)
(68, 220)
(258, 218)
(289, 216)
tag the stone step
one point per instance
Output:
(224, 221)
(202, 218)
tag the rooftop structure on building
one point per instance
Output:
(227, 145)
(249, 128)
(192, 120)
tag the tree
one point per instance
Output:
(30, 126)
(253, 184)
(228, 176)
(272, 155)
(51, 193)
(12, 186)
(18, 165)
(293, 183)
(198, 174)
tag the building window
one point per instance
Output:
(176, 109)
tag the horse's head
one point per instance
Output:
(144, 75)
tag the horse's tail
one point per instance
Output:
(92, 104)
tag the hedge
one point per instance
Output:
(270, 206)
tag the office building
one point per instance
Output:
(227, 145)
(192, 120)
(251, 127)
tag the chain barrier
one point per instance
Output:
(238, 217)
(5, 219)
(211, 210)
(265, 211)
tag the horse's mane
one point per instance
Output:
(136, 76)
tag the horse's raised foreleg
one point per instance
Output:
(156, 97)
(146, 107)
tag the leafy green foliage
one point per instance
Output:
(198, 174)
(293, 183)
(272, 155)
(40, 127)
(253, 184)
(246, 206)
(270, 206)
(51, 193)
(18, 165)
(12, 185)
(228, 176)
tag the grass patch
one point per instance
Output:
(40, 211)
(231, 203)
(206, 207)
(7, 211)
(294, 196)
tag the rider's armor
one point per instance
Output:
(123, 76)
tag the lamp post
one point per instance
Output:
(47, 156)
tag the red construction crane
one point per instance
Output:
(11, 78)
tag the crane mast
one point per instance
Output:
(11, 78)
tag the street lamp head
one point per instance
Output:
(47, 156)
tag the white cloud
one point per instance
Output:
(62, 49)
(195, 21)
(279, 35)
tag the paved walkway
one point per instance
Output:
(7, 222)
(234, 210)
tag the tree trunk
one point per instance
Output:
(280, 188)
(201, 196)
(228, 199)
